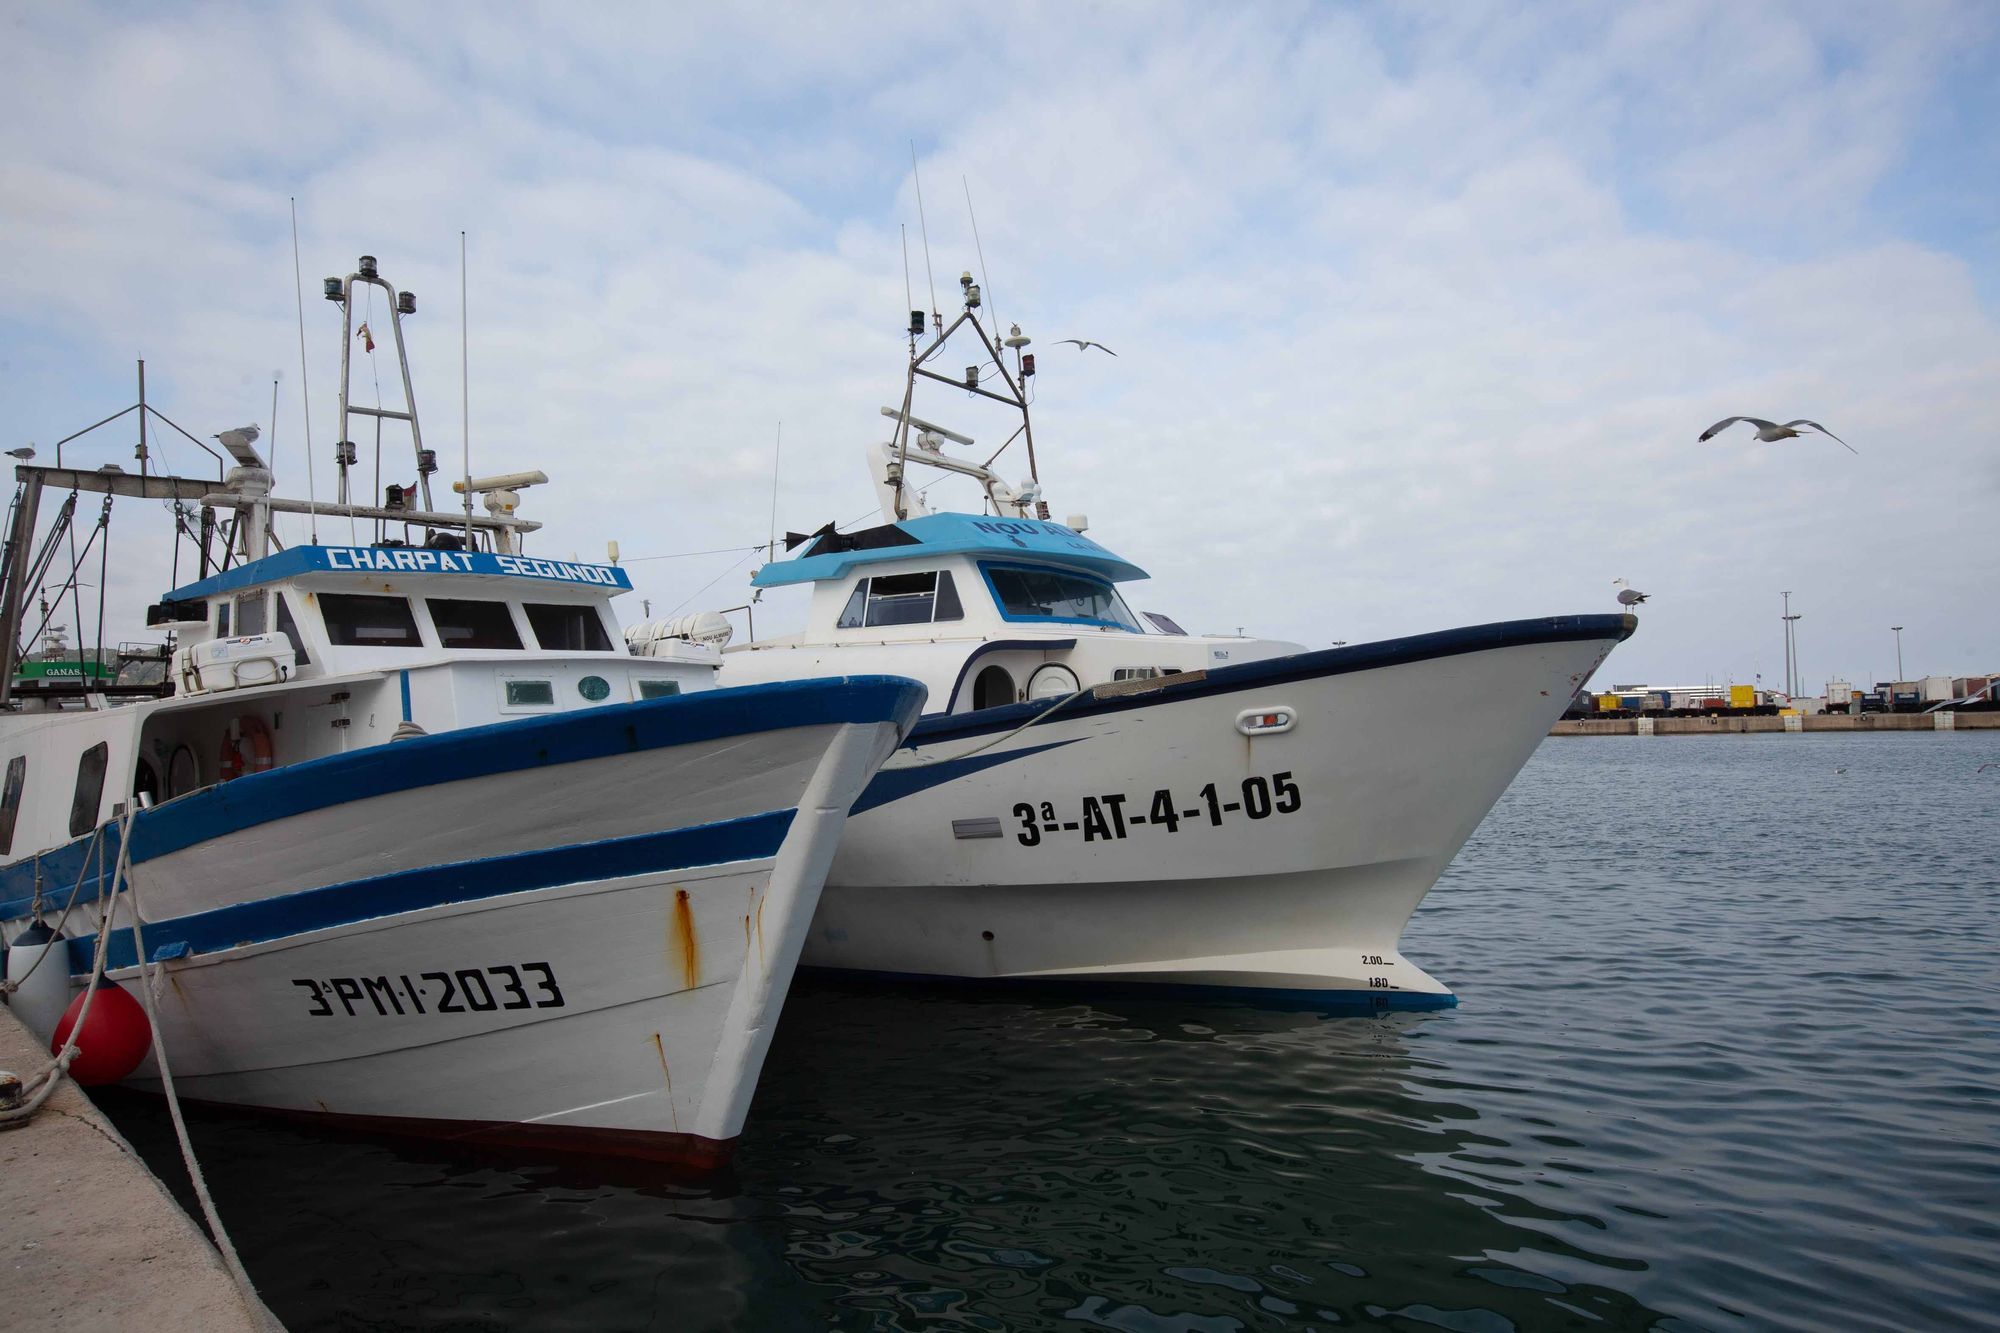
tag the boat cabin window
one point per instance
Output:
(1055, 594)
(530, 694)
(1164, 623)
(902, 599)
(250, 613)
(290, 629)
(468, 624)
(650, 689)
(89, 789)
(366, 620)
(10, 801)
(222, 619)
(568, 629)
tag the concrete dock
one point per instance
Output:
(89, 1237)
(1723, 726)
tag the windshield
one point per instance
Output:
(1054, 594)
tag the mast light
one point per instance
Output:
(330, 288)
(406, 303)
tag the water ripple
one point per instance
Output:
(1727, 1058)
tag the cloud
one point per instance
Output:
(1417, 314)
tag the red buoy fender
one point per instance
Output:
(257, 739)
(251, 755)
(114, 1039)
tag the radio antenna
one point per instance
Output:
(305, 396)
(777, 455)
(464, 393)
(987, 282)
(936, 314)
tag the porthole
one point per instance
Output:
(594, 688)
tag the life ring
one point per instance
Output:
(256, 736)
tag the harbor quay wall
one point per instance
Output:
(1722, 726)
(89, 1237)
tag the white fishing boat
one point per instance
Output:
(408, 838)
(1102, 796)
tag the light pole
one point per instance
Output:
(1899, 650)
(1792, 642)
(1791, 648)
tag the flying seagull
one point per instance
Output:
(1767, 431)
(1085, 344)
(1630, 596)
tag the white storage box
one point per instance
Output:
(234, 664)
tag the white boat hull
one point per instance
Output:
(1143, 837)
(572, 934)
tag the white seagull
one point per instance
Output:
(1630, 596)
(1085, 344)
(238, 443)
(1768, 431)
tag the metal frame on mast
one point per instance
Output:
(400, 304)
(1015, 397)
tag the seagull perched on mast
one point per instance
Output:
(1085, 344)
(238, 443)
(1630, 596)
(1768, 431)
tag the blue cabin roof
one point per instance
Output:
(398, 560)
(1035, 541)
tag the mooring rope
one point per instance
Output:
(230, 1259)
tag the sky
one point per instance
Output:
(1418, 310)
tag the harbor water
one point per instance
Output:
(1727, 1057)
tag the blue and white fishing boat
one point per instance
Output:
(412, 840)
(1102, 796)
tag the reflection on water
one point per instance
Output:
(1728, 1057)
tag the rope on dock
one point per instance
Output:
(230, 1260)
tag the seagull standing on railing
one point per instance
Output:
(1769, 431)
(1630, 596)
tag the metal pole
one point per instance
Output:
(17, 576)
(1785, 619)
(1899, 650)
(142, 416)
(464, 395)
(1792, 649)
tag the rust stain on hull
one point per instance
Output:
(681, 946)
(660, 1048)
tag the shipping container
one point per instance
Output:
(1936, 689)
(1607, 703)
(1742, 696)
(1839, 694)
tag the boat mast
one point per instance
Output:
(1015, 397)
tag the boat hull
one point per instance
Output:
(572, 934)
(1145, 837)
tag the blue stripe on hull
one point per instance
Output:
(506, 747)
(452, 756)
(756, 837)
(893, 785)
(1294, 666)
